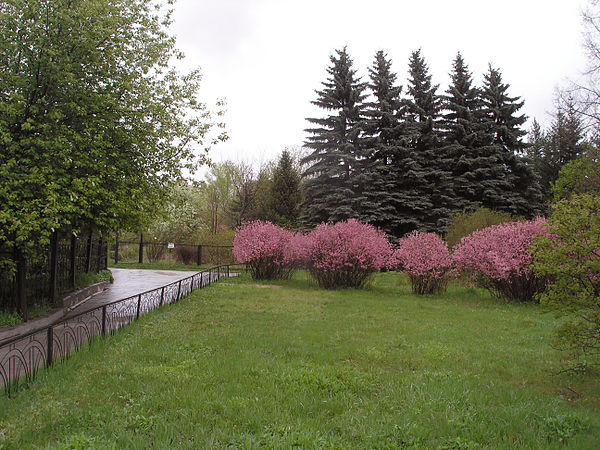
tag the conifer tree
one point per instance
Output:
(425, 166)
(286, 196)
(550, 150)
(384, 128)
(515, 189)
(466, 143)
(332, 189)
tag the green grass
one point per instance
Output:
(243, 364)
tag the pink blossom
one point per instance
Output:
(426, 259)
(502, 255)
(344, 254)
(261, 245)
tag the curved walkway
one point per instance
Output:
(127, 282)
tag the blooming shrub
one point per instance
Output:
(261, 245)
(426, 260)
(344, 254)
(500, 257)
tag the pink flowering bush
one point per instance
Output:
(261, 245)
(344, 254)
(500, 258)
(426, 260)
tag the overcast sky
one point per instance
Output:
(267, 57)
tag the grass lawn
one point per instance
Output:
(242, 364)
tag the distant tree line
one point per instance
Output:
(410, 162)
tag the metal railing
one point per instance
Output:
(22, 357)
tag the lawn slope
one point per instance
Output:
(245, 364)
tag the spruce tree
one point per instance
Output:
(384, 128)
(332, 190)
(466, 144)
(286, 196)
(515, 189)
(552, 149)
(423, 170)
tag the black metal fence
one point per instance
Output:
(52, 270)
(190, 254)
(23, 357)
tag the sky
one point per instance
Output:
(266, 58)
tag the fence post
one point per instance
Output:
(73, 261)
(199, 261)
(50, 352)
(162, 297)
(104, 320)
(141, 251)
(88, 255)
(117, 248)
(53, 266)
(21, 278)
(178, 290)
(137, 314)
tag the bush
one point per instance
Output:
(155, 252)
(185, 254)
(344, 254)
(426, 260)
(500, 258)
(261, 245)
(571, 258)
(465, 223)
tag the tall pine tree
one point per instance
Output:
(515, 189)
(423, 172)
(473, 165)
(332, 189)
(384, 128)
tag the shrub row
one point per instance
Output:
(347, 253)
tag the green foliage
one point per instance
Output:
(286, 197)
(466, 222)
(219, 194)
(181, 215)
(572, 260)
(94, 125)
(579, 176)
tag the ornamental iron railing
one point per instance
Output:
(50, 271)
(21, 358)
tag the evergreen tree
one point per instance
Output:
(384, 128)
(286, 196)
(514, 188)
(423, 171)
(550, 150)
(333, 192)
(475, 169)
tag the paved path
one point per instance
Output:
(130, 282)
(127, 282)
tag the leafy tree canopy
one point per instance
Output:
(94, 122)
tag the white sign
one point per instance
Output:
(170, 245)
